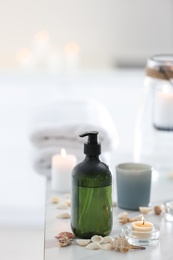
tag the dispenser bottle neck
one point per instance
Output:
(92, 147)
(92, 157)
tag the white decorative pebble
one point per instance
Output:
(62, 206)
(123, 214)
(107, 239)
(63, 215)
(107, 246)
(97, 239)
(55, 200)
(93, 246)
(83, 242)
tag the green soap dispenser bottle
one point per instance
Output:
(91, 193)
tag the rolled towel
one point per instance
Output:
(42, 158)
(63, 121)
(58, 125)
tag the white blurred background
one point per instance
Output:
(49, 49)
(108, 32)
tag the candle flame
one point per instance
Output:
(143, 220)
(71, 48)
(63, 153)
(42, 36)
(24, 54)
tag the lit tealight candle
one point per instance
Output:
(142, 229)
(62, 165)
(142, 226)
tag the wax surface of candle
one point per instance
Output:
(62, 165)
(163, 108)
(142, 226)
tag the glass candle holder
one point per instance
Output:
(168, 210)
(133, 185)
(138, 238)
(154, 123)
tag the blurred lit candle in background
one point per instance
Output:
(163, 108)
(41, 42)
(62, 165)
(71, 50)
(41, 49)
(25, 59)
(54, 60)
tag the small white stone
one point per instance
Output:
(62, 206)
(145, 210)
(97, 239)
(55, 200)
(68, 203)
(107, 239)
(63, 215)
(93, 246)
(107, 246)
(123, 214)
(83, 242)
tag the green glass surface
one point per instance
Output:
(91, 208)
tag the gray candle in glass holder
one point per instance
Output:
(133, 185)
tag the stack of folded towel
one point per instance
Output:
(58, 125)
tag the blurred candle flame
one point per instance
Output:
(42, 36)
(71, 48)
(24, 54)
(63, 153)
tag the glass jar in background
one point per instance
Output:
(154, 124)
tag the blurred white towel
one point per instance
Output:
(41, 158)
(59, 124)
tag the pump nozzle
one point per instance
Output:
(92, 147)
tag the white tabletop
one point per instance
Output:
(162, 190)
